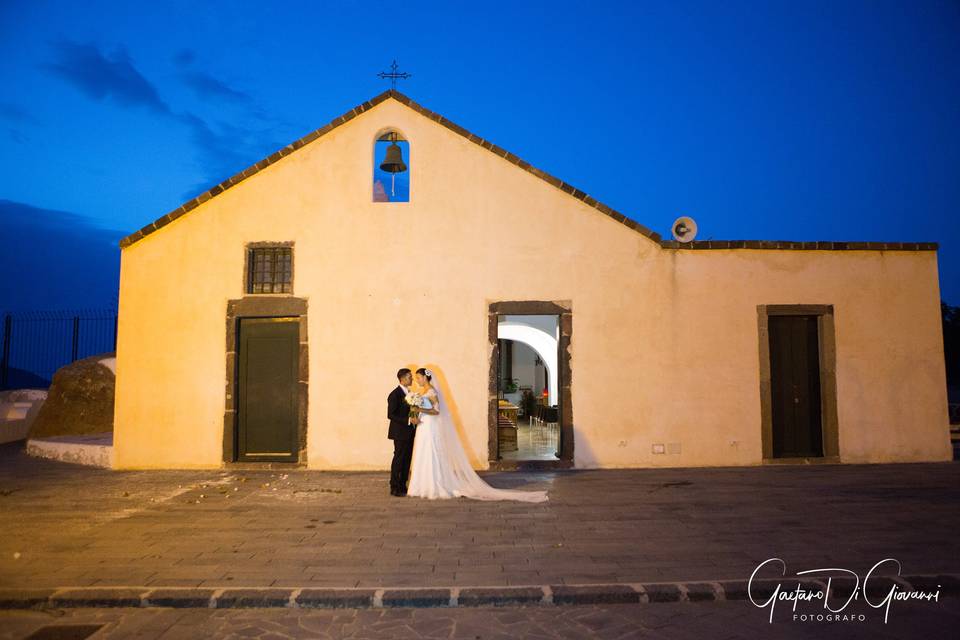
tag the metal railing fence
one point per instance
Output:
(34, 344)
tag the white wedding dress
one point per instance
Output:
(440, 468)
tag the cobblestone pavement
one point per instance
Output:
(720, 621)
(64, 525)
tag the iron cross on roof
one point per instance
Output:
(394, 75)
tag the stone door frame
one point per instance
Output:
(827, 348)
(263, 306)
(563, 309)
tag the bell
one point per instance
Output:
(393, 163)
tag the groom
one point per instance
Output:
(402, 430)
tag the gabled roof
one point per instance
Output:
(543, 175)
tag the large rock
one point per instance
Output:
(80, 399)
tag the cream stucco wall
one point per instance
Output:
(664, 345)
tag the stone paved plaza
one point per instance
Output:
(65, 525)
(69, 526)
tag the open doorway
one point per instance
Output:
(528, 413)
(530, 421)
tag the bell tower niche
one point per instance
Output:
(391, 167)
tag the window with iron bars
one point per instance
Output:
(270, 270)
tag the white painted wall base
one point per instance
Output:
(94, 450)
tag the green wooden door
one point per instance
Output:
(267, 389)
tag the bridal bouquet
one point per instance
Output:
(413, 399)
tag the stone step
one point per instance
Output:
(95, 450)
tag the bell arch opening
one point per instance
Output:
(391, 166)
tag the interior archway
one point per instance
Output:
(544, 344)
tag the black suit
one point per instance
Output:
(402, 433)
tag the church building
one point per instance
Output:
(263, 322)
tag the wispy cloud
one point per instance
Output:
(71, 262)
(18, 117)
(15, 113)
(101, 76)
(208, 87)
(17, 136)
(184, 57)
(20, 215)
(226, 147)
(223, 148)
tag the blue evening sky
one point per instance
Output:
(812, 120)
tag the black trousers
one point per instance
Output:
(400, 467)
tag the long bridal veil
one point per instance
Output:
(465, 480)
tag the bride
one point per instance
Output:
(440, 467)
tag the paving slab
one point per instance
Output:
(66, 526)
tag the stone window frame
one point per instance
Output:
(563, 309)
(282, 244)
(827, 357)
(264, 306)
